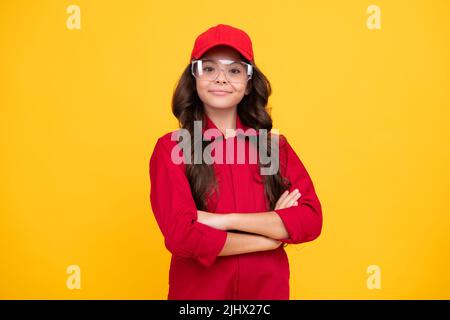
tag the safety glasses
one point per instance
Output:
(208, 70)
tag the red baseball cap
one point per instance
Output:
(223, 34)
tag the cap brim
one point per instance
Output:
(201, 52)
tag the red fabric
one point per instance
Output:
(223, 34)
(196, 270)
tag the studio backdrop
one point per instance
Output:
(360, 88)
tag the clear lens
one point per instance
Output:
(208, 70)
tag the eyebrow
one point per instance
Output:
(233, 61)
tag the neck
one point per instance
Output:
(223, 118)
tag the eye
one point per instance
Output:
(235, 71)
(208, 69)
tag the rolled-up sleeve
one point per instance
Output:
(175, 211)
(303, 222)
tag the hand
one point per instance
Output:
(272, 243)
(214, 220)
(288, 199)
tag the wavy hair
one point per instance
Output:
(252, 110)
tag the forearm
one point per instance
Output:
(238, 243)
(268, 224)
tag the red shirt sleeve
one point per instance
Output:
(303, 222)
(175, 210)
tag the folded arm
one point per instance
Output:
(238, 243)
(293, 220)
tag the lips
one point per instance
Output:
(219, 92)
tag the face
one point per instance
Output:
(234, 92)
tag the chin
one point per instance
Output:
(221, 104)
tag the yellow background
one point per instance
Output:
(366, 110)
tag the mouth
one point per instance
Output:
(219, 92)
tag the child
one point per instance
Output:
(225, 223)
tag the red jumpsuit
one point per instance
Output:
(196, 270)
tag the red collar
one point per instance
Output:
(209, 124)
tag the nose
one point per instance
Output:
(221, 78)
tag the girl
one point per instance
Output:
(225, 223)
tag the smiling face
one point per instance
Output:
(220, 93)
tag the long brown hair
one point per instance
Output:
(187, 108)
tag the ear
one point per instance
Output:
(248, 89)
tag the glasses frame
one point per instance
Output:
(199, 62)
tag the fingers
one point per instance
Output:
(295, 195)
(289, 200)
(282, 197)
